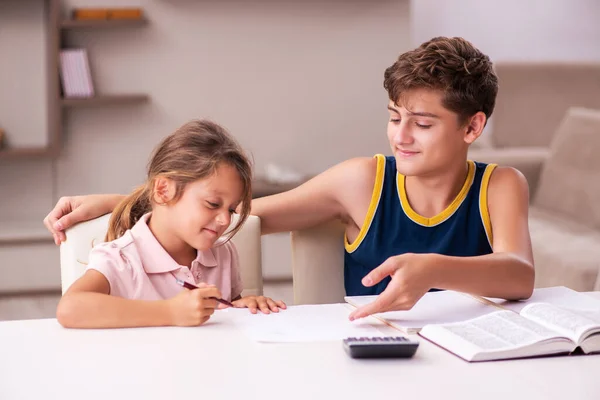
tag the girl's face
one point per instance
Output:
(203, 212)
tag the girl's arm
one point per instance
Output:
(87, 304)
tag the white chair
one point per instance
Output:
(318, 264)
(82, 237)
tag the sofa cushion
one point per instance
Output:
(528, 160)
(565, 253)
(570, 178)
(533, 97)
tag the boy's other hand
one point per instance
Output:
(408, 284)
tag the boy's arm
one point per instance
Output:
(506, 273)
(87, 304)
(509, 271)
(336, 193)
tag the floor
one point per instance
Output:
(44, 305)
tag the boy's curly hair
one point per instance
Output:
(453, 66)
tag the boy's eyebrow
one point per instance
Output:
(418, 113)
(423, 114)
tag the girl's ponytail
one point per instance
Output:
(128, 212)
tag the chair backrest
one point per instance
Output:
(318, 264)
(569, 179)
(82, 237)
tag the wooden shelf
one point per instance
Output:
(26, 152)
(104, 100)
(24, 232)
(102, 24)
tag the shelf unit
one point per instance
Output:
(55, 30)
(104, 100)
(26, 152)
(56, 27)
(102, 24)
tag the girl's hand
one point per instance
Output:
(262, 303)
(193, 307)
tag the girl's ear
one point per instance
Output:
(475, 127)
(163, 191)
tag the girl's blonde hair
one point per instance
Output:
(192, 152)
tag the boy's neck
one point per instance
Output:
(180, 251)
(430, 195)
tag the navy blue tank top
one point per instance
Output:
(392, 227)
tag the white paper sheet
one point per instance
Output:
(308, 323)
(433, 308)
(559, 296)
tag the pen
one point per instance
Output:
(192, 287)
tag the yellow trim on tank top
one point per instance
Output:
(483, 202)
(375, 196)
(445, 214)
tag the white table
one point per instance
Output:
(41, 360)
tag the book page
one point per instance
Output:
(496, 336)
(308, 323)
(568, 322)
(500, 330)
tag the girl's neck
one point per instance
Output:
(429, 195)
(180, 251)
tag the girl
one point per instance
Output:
(166, 232)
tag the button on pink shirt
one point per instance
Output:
(138, 267)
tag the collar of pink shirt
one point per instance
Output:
(155, 258)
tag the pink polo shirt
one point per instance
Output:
(138, 267)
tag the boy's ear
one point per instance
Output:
(163, 191)
(475, 127)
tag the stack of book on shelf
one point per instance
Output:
(107, 13)
(75, 74)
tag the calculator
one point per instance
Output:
(380, 347)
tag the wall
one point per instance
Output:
(514, 30)
(298, 83)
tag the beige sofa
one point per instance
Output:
(565, 212)
(532, 100)
(564, 221)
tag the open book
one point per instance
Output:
(449, 306)
(539, 329)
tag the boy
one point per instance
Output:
(426, 217)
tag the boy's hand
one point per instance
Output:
(74, 209)
(409, 283)
(193, 307)
(262, 303)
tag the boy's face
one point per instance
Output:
(426, 137)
